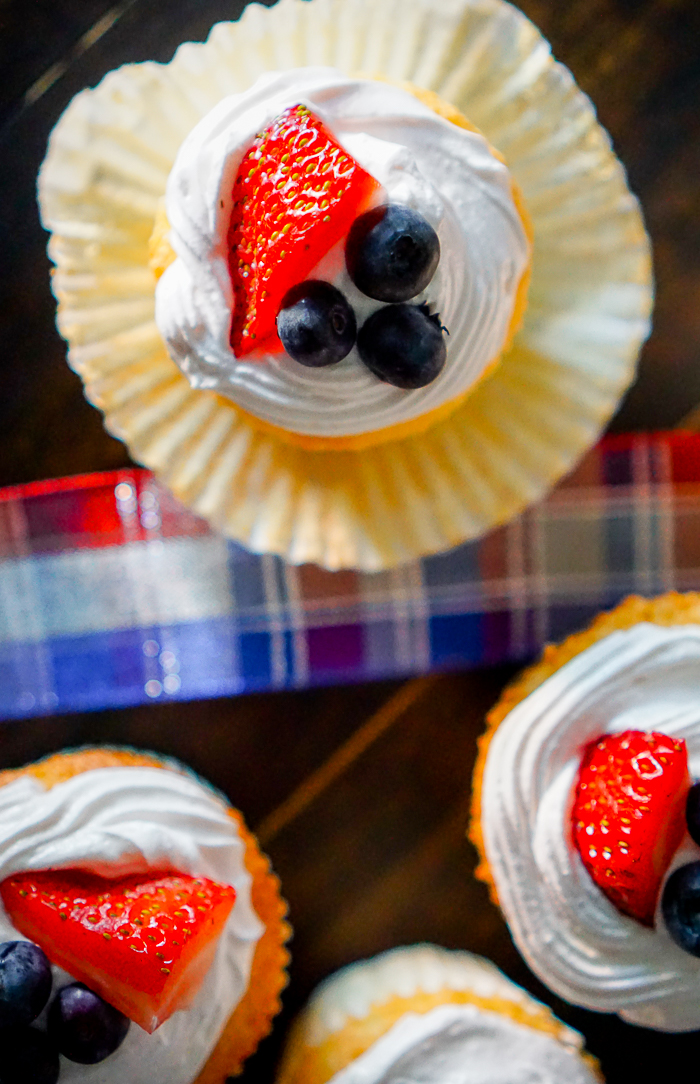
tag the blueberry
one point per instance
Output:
(28, 1057)
(85, 1028)
(316, 324)
(692, 812)
(680, 905)
(25, 982)
(403, 345)
(392, 253)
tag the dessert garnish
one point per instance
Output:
(629, 815)
(296, 194)
(316, 324)
(403, 345)
(392, 253)
(143, 943)
(83, 1027)
(680, 903)
(680, 907)
(25, 983)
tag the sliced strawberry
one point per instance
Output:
(629, 815)
(144, 945)
(296, 194)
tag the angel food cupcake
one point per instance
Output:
(587, 813)
(142, 932)
(330, 365)
(427, 1014)
(348, 261)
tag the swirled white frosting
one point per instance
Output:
(118, 821)
(447, 173)
(460, 1044)
(645, 678)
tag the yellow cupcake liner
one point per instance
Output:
(527, 421)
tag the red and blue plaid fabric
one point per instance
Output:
(112, 594)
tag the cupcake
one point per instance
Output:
(142, 931)
(425, 1013)
(299, 292)
(587, 817)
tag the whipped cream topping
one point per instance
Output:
(461, 1044)
(446, 173)
(119, 821)
(644, 678)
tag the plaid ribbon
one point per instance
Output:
(112, 594)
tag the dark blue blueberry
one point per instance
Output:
(392, 253)
(27, 1056)
(403, 345)
(83, 1026)
(316, 324)
(25, 982)
(680, 905)
(692, 812)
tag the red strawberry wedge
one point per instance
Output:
(144, 945)
(629, 816)
(296, 194)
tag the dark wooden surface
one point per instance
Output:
(360, 794)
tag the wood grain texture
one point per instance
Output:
(376, 855)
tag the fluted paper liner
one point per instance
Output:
(524, 425)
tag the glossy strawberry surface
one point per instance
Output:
(296, 194)
(629, 815)
(143, 944)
